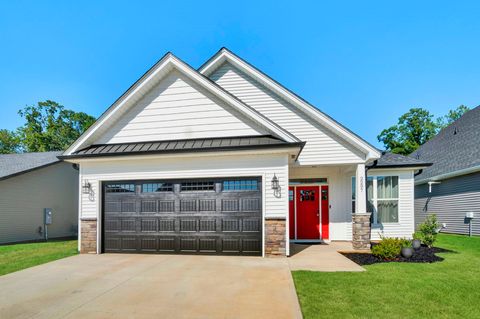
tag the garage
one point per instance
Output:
(191, 216)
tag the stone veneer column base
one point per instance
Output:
(275, 241)
(88, 236)
(361, 231)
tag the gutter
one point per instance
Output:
(456, 173)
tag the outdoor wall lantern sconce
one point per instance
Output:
(86, 187)
(275, 183)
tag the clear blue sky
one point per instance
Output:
(362, 62)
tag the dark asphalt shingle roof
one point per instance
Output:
(15, 164)
(390, 160)
(183, 146)
(456, 147)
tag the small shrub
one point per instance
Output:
(387, 248)
(417, 235)
(404, 243)
(428, 230)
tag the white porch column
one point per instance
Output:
(361, 219)
(360, 188)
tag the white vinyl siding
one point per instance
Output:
(24, 197)
(322, 147)
(176, 108)
(189, 167)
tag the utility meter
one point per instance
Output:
(48, 216)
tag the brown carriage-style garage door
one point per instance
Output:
(207, 216)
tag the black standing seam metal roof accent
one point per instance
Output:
(287, 89)
(184, 146)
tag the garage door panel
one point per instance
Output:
(185, 217)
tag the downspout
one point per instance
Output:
(420, 171)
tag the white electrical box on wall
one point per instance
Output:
(470, 215)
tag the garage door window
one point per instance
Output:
(120, 188)
(240, 185)
(157, 187)
(197, 186)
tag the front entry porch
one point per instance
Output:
(324, 204)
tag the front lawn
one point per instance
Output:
(21, 256)
(447, 289)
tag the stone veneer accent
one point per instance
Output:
(88, 236)
(275, 241)
(361, 231)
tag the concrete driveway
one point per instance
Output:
(151, 286)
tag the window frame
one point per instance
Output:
(374, 200)
(247, 182)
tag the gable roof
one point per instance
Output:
(390, 160)
(226, 55)
(455, 149)
(167, 63)
(185, 146)
(15, 164)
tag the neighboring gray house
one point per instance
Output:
(450, 188)
(29, 183)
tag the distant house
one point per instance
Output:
(450, 188)
(29, 183)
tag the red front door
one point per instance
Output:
(308, 212)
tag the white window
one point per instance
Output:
(383, 198)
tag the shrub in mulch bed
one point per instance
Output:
(421, 255)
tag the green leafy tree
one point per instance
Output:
(452, 116)
(9, 142)
(412, 130)
(51, 127)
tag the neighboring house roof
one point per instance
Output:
(390, 160)
(454, 151)
(148, 80)
(226, 55)
(184, 146)
(16, 164)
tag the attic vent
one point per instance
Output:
(455, 131)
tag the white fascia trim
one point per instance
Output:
(223, 55)
(440, 177)
(171, 60)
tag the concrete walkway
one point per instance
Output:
(165, 286)
(151, 286)
(322, 257)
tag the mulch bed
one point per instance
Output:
(421, 255)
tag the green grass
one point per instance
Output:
(447, 289)
(21, 256)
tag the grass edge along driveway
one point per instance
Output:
(447, 289)
(20, 256)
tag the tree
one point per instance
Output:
(412, 130)
(51, 127)
(9, 142)
(452, 116)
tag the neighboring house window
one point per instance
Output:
(382, 193)
(197, 186)
(120, 188)
(157, 187)
(240, 185)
